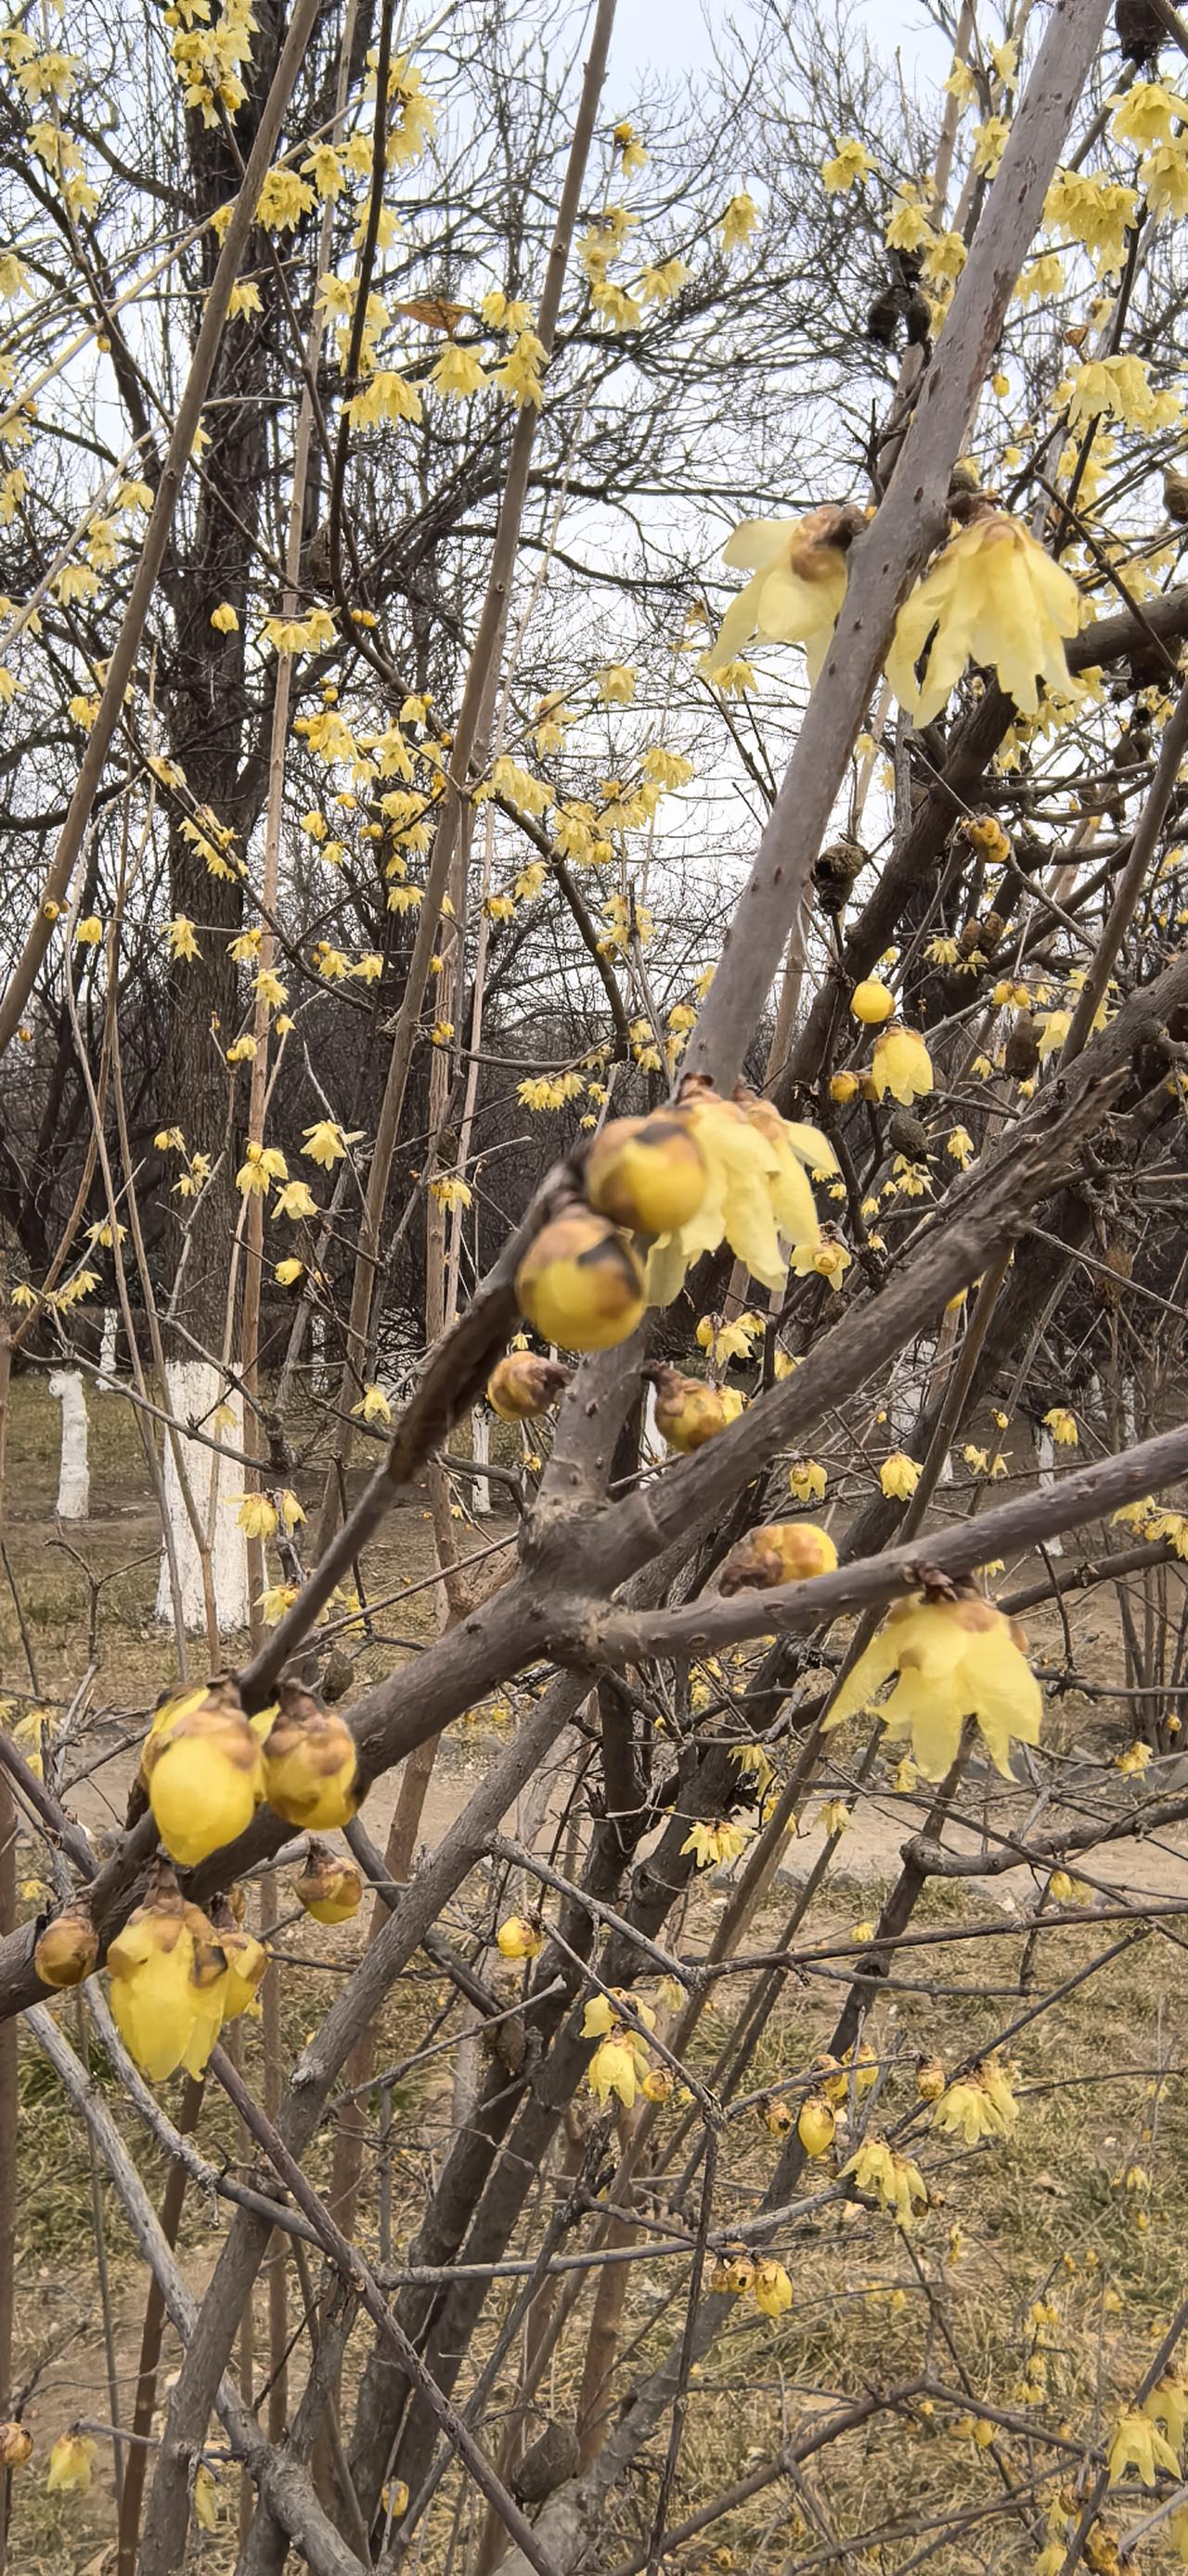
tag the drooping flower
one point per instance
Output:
(168, 1977)
(1136, 2443)
(771, 2287)
(850, 162)
(200, 1763)
(797, 585)
(899, 1476)
(71, 2462)
(993, 596)
(1063, 1426)
(978, 2105)
(893, 2180)
(954, 1659)
(901, 1065)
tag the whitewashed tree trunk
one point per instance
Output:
(106, 1382)
(194, 1388)
(481, 1451)
(1045, 1451)
(74, 1477)
(317, 1352)
(652, 1442)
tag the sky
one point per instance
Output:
(667, 33)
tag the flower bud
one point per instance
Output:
(523, 1385)
(647, 1174)
(688, 1412)
(871, 1002)
(330, 1889)
(310, 1763)
(782, 1552)
(816, 2125)
(68, 1948)
(580, 1284)
(200, 1763)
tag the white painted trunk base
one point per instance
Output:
(1045, 1452)
(480, 1437)
(106, 1382)
(193, 1390)
(74, 1479)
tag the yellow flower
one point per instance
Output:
(899, 1476)
(168, 1975)
(871, 1002)
(1137, 2443)
(89, 933)
(373, 1405)
(953, 1659)
(326, 1142)
(714, 1844)
(1147, 114)
(892, 2180)
(850, 162)
(772, 2288)
(738, 220)
(614, 2069)
(797, 585)
(205, 2498)
(261, 1166)
(807, 1480)
(994, 596)
(256, 1516)
(224, 619)
(959, 1143)
(180, 934)
(816, 2125)
(70, 2464)
(978, 2105)
(1053, 1029)
(459, 372)
(901, 1065)
(1063, 1426)
(756, 1194)
(517, 1939)
(909, 228)
(295, 1200)
(615, 685)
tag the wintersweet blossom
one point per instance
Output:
(994, 596)
(797, 585)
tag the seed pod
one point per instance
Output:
(908, 1135)
(930, 2078)
(68, 1948)
(1022, 1050)
(834, 872)
(523, 1385)
(580, 1284)
(1175, 494)
(783, 1552)
(330, 1889)
(310, 1763)
(1140, 31)
(15, 2445)
(647, 1174)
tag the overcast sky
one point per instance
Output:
(672, 33)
